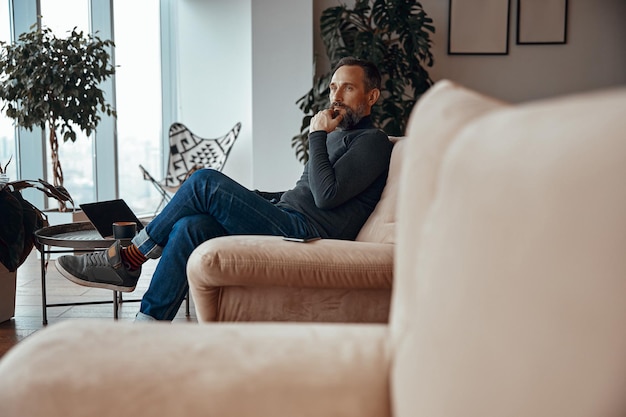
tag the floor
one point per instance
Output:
(28, 311)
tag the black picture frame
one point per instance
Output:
(491, 16)
(541, 22)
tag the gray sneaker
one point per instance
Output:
(103, 269)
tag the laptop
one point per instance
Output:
(104, 213)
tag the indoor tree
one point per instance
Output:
(49, 80)
(395, 35)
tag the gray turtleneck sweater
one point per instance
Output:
(343, 179)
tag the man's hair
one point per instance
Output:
(372, 75)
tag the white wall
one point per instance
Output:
(248, 61)
(215, 74)
(594, 56)
(282, 51)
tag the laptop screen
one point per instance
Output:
(104, 213)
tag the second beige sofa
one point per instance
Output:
(265, 278)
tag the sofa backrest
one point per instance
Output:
(513, 283)
(380, 227)
(435, 122)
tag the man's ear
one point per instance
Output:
(372, 96)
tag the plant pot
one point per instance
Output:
(7, 293)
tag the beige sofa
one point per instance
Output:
(508, 297)
(265, 278)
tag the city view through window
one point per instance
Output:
(137, 102)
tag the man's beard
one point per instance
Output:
(350, 117)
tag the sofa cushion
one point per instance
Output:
(380, 227)
(445, 110)
(520, 277)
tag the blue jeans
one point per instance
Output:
(209, 204)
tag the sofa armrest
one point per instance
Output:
(270, 261)
(82, 368)
(265, 278)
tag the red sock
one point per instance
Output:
(132, 257)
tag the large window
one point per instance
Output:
(89, 169)
(138, 93)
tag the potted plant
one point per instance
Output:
(20, 220)
(395, 35)
(45, 80)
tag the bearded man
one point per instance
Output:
(338, 190)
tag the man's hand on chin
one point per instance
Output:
(324, 120)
